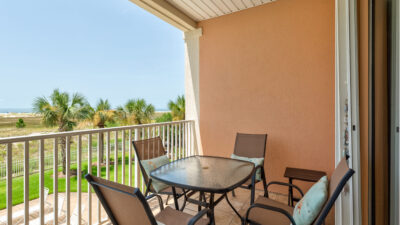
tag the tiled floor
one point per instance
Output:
(224, 215)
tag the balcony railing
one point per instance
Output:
(176, 136)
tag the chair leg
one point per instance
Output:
(264, 182)
(252, 194)
(184, 202)
(166, 202)
(253, 188)
(233, 193)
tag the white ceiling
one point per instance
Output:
(200, 10)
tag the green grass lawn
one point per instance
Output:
(18, 182)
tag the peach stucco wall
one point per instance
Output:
(271, 69)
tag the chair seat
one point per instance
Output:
(263, 216)
(170, 216)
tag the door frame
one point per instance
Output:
(347, 134)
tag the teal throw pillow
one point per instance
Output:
(152, 164)
(308, 208)
(256, 161)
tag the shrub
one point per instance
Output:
(165, 117)
(20, 123)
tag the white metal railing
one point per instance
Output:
(177, 138)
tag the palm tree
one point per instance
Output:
(62, 110)
(136, 111)
(177, 108)
(101, 115)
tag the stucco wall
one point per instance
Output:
(270, 69)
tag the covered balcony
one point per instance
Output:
(292, 69)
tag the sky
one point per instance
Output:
(108, 49)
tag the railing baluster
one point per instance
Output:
(172, 142)
(9, 183)
(163, 135)
(142, 179)
(176, 140)
(137, 175)
(26, 183)
(192, 150)
(108, 149)
(41, 180)
(99, 175)
(130, 156)
(185, 140)
(116, 157)
(153, 135)
(55, 180)
(79, 178)
(123, 158)
(168, 141)
(180, 140)
(89, 218)
(67, 181)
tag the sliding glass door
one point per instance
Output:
(394, 49)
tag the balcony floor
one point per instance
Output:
(224, 215)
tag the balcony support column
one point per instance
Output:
(192, 94)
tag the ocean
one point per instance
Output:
(29, 110)
(15, 110)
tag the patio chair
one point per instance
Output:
(152, 148)
(126, 205)
(18, 215)
(50, 216)
(252, 146)
(268, 211)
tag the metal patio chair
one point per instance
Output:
(152, 148)
(126, 205)
(252, 146)
(268, 211)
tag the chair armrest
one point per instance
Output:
(271, 208)
(160, 201)
(285, 184)
(198, 216)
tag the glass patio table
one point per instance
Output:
(206, 174)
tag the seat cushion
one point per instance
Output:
(256, 161)
(264, 216)
(152, 164)
(308, 208)
(170, 216)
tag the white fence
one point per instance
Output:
(177, 138)
(18, 165)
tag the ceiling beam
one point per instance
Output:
(168, 13)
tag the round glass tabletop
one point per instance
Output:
(205, 173)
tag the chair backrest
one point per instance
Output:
(338, 180)
(250, 145)
(123, 204)
(148, 149)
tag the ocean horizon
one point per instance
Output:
(16, 110)
(29, 110)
